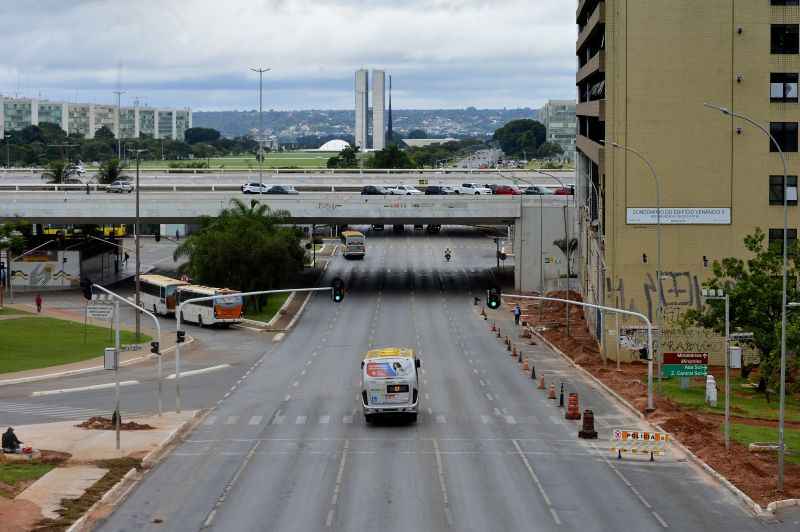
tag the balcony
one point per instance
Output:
(596, 64)
(593, 150)
(597, 108)
(598, 17)
(583, 6)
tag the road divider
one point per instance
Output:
(82, 388)
(201, 371)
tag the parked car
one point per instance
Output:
(506, 190)
(255, 188)
(418, 227)
(120, 187)
(377, 227)
(436, 190)
(404, 190)
(433, 228)
(449, 189)
(472, 188)
(565, 191)
(281, 189)
(538, 190)
(374, 190)
(77, 169)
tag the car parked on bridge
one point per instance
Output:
(120, 187)
(538, 190)
(433, 229)
(435, 190)
(472, 188)
(506, 190)
(281, 189)
(565, 191)
(374, 190)
(255, 188)
(404, 190)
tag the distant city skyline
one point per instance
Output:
(518, 54)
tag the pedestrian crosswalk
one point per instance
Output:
(54, 410)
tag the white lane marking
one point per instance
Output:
(287, 398)
(427, 396)
(442, 483)
(255, 420)
(536, 481)
(485, 419)
(231, 420)
(430, 411)
(82, 388)
(171, 376)
(279, 419)
(489, 397)
(347, 420)
(482, 382)
(556, 420)
(496, 411)
(301, 420)
(295, 384)
(324, 420)
(441, 419)
(510, 420)
(210, 420)
(210, 519)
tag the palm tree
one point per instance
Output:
(110, 171)
(567, 250)
(58, 171)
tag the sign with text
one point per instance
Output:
(98, 311)
(679, 215)
(684, 364)
(637, 441)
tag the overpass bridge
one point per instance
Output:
(537, 220)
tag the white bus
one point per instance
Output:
(354, 244)
(225, 310)
(159, 293)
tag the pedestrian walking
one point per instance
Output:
(177, 234)
(125, 261)
(39, 303)
(517, 313)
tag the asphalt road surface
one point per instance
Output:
(288, 449)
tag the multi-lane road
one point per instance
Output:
(286, 447)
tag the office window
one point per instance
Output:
(785, 134)
(776, 238)
(783, 87)
(784, 2)
(776, 190)
(785, 38)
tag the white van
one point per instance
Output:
(390, 383)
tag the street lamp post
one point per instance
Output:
(137, 152)
(119, 94)
(722, 296)
(782, 402)
(260, 127)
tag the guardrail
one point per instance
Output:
(328, 171)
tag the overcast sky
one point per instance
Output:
(441, 53)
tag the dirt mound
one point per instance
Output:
(53, 457)
(104, 423)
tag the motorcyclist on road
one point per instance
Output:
(447, 254)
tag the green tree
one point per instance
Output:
(391, 157)
(195, 135)
(58, 171)
(549, 150)
(755, 287)
(110, 171)
(519, 138)
(104, 134)
(347, 158)
(417, 134)
(246, 247)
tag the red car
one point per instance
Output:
(565, 191)
(507, 190)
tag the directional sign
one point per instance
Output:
(685, 365)
(99, 312)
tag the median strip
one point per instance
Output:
(82, 388)
(171, 376)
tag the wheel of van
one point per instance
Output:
(154, 310)
(477, 193)
(368, 418)
(200, 320)
(412, 417)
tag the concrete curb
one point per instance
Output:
(742, 496)
(274, 318)
(303, 306)
(92, 369)
(119, 491)
(786, 503)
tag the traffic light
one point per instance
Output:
(154, 347)
(493, 298)
(338, 290)
(181, 337)
(86, 288)
(643, 354)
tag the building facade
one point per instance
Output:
(378, 109)
(645, 70)
(362, 109)
(85, 118)
(560, 121)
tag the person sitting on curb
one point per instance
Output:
(11, 443)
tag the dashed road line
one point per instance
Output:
(537, 482)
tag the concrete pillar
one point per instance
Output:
(34, 112)
(117, 124)
(155, 124)
(90, 133)
(2, 117)
(136, 128)
(189, 113)
(174, 124)
(65, 117)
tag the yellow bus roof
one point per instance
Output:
(161, 280)
(352, 233)
(205, 290)
(396, 352)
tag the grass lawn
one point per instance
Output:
(14, 472)
(274, 303)
(8, 311)
(745, 402)
(299, 159)
(30, 343)
(746, 434)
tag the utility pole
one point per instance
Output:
(260, 127)
(119, 94)
(137, 248)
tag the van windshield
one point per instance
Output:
(390, 367)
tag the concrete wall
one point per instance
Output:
(539, 264)
(48, 270)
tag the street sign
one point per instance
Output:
(99, 312)
(636, 441)
(683, 364)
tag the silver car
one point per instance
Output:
(120, 187)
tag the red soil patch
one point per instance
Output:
(104, 423)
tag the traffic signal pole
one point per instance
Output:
(337, 284)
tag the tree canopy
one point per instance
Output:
(391, 157)
(194, 135)
(110, 171)
(520, 138)
(347, 158)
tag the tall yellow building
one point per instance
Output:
(645, 69)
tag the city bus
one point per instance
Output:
(390, 383)
(159, 293)
(354, 244)
(225, 311)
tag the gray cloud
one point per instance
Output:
(197, 52)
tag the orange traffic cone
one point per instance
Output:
(541, 382)
(572, 407)
(525, 366)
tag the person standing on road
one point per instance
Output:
(517, 314)
(38, 303)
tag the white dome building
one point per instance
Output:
(335, 145)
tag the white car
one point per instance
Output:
(255, 188)
(404, 190)
(120, 187)
(473, 188)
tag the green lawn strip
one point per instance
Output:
(30, 343)
(8, 311)
(747, 434)
(14, 472)
(274, 303)
(745, 402)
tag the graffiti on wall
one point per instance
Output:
(678, 289)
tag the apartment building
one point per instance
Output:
(645, 70)
(559, 119)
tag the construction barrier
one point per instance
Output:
(633, 441)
